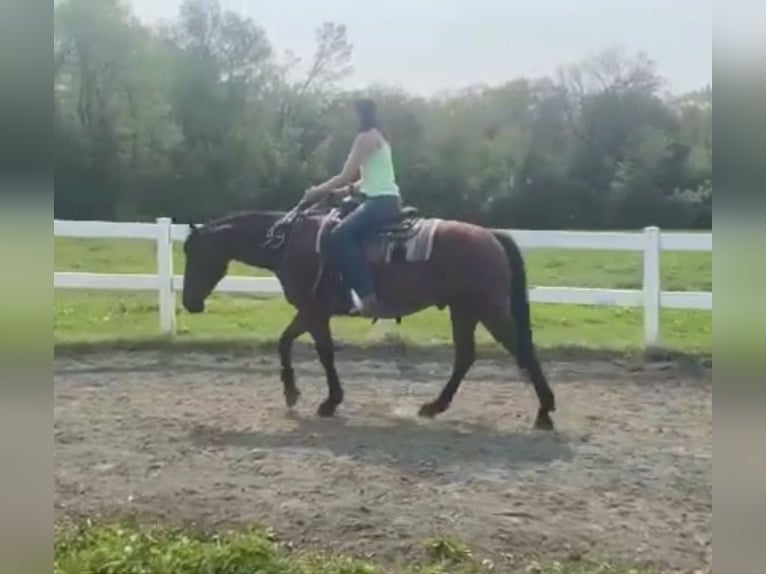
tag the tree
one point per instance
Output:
(332, 58)
(94, 39)
(198, 118)
(330, 64)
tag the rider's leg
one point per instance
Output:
(348, 239)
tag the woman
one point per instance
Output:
(370, 158)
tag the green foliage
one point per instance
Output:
(448, 550)
(119, 549)
(199, 118)
(129, 549)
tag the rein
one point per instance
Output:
(280, 233)
(277, 233)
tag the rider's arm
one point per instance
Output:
(362, 147)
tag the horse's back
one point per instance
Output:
(467, 266)
(471, 252)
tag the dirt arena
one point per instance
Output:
(207, 438)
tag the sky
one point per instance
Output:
(428, 46)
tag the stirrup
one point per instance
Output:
(373, 312)
(357, 307)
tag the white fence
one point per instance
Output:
(651, 242)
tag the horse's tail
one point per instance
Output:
(519, 298)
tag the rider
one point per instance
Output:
(370, 157)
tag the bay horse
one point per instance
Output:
(477, 273)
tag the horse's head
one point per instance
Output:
(206, 265)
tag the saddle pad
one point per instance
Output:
(417, 247)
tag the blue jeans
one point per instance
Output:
(348, 240)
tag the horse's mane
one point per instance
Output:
(241, 217)
(252, 218)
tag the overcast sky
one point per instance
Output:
(426, 46)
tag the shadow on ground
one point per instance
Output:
(409, 445)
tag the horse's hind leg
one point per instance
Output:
(502, 329)
(463, 336)
(294, 330)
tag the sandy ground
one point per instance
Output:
(206, 438)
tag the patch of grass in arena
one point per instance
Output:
(90, 317)
(128, 548)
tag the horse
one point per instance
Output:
(477, 273)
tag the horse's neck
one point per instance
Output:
(243, 237)
(242, 240)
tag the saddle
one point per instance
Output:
(408, 238)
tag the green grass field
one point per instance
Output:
(127, 548)
(102, 317)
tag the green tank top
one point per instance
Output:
(378, 177)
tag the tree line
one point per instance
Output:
(198, 117)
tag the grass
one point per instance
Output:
(550, 267)
(88, 317)
(129, 548)
(121, 256)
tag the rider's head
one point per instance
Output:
(366, 114)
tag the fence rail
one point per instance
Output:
(651, 242)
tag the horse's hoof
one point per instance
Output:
(326, 409)
(544, 422)
(291, 398)
(430, 410)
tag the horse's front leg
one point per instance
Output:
(319, 327)
(294, 330)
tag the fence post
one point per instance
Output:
(167, 299)
(651, 286)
